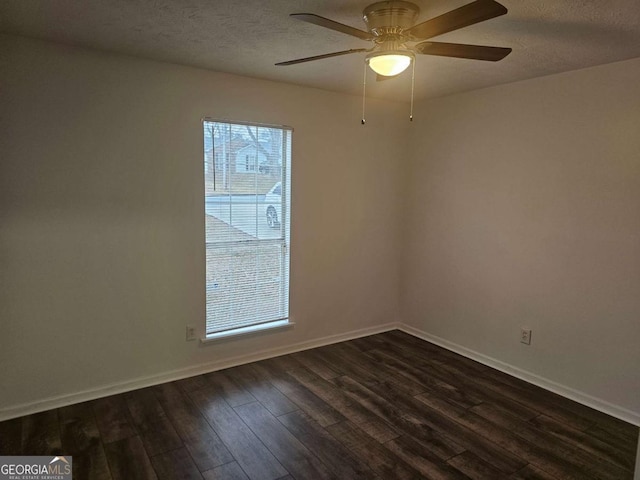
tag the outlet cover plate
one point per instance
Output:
(191, 333)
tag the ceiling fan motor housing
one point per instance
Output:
(391, 17)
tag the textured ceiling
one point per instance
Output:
(247, 37)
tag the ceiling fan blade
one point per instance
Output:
(470, 14)
(458, 50)
(320, 57)
(338, 27)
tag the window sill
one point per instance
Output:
(237, 332)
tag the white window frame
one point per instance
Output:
(278, 323)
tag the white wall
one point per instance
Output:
(101, 215)
(523, 209)
(519, 206)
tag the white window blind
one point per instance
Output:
(247, 225)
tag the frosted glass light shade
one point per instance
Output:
(389, 64)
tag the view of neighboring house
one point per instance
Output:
(249, 160)
(241, 161)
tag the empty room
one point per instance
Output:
(319, 239)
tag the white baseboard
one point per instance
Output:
(580, 397)
(141, 382)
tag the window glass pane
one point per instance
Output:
(246, 223)
(244, 285)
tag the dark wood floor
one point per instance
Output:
(389, 406)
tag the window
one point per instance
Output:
(247, 212)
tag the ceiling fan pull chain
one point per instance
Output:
(413, 77)
(364, 89)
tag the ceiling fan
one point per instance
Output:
(391, 27)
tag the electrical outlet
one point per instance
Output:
(191, 333)
(525, 336)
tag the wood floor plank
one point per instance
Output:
(292, 454)
(454, 385)
(474, 467)
(11, 437)
(192, 383)
(373, 425)
(369, 399)
(381, 341)
(175, 465)
(337, 458)
(357, 362)
(306, 400)
(204, 445)
(589, 443)
(250, 453)
(364, 344)
(79, 431)
(113, 418)
(338, 359)
(367, 371)
(583, 414)
(539, 399)
(584, 461)
(613, 425)
(415, 346)
(128, 460)
(440, 445)
(422, 416)
(41, 434)
(81, 439)
(229, 471)
(282, 363)
(531, 473)
(430, 379)
(311, 360)
(155, 429)
(268, 395)
(379, 458)
(422, 459)
(620, 442)
(531, 452)
(93, 465)
(226, 386)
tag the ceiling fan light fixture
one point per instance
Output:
(389, 63)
